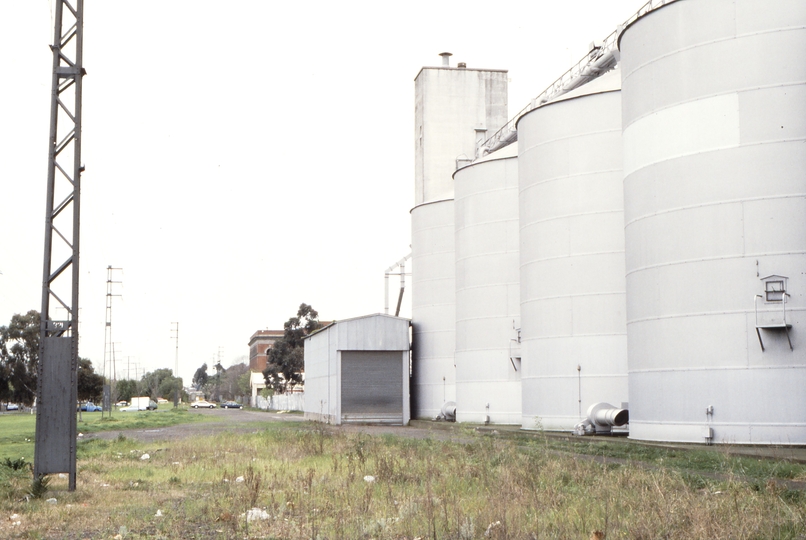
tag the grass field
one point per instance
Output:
(302, 480)
(18, 430)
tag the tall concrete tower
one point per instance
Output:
(455, 107)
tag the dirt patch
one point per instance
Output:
(245, 421)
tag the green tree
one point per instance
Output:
(285, 363)
(158, 383)
(90, 383)
(169, 386)
(245, 383)
(19, 358)
(126, 389)
(200, 377)
(216, 380)
(230, 381)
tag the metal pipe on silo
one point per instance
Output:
(601, 418)
(402, 287)
(390, 271)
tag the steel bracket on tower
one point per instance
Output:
(57, 393)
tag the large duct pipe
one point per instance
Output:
(402, 286)
(505, 140)
(609, 416)
(447, 412)
(595, 69)
(602, 417)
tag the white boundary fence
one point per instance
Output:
(282, 402)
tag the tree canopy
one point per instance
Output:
(126, 389)
(19, 358)
(90, 383)
(227, 383)
(285, 364)
(200, 377)
(159, 383)
(19, 362)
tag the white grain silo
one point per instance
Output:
(488, 386)
(714, 101)
(433, 307)
(454, 108)
(573, 307)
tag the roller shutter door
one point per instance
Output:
(372, 387)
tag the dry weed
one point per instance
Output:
(322, 484)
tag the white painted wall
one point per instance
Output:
(450, 104)
(281, 402)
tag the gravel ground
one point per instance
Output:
(247, 421)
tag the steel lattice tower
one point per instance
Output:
(55, 449)
(110, 377)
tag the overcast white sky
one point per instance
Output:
(243, 157)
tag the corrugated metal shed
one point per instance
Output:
(357, 371)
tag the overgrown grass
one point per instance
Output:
(18, 431)
(722, 459)
(139, 420)
(310, 482)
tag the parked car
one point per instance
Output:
(161, 400)
(90, 407)
(12, 407)
(122, 404)
(130, 408)
(203, 403)
(231, 405)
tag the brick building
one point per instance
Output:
(259, 345)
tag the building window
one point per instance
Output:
(775, 291)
